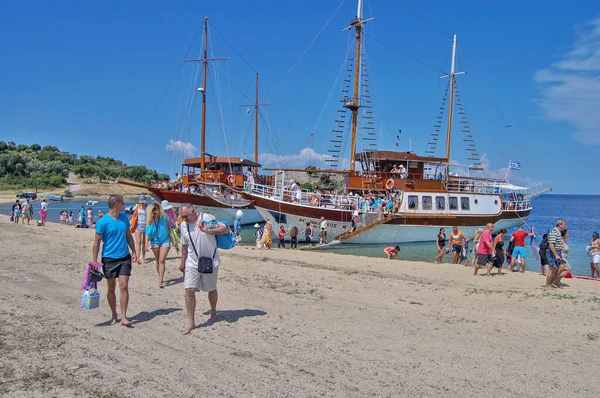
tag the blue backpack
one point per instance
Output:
(225, 241)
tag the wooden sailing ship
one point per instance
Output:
(209, 181)
(423, 192)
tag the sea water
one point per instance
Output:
(580, 211)
(54, 208)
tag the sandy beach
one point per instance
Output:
(293, 324)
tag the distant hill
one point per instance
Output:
(24, 166)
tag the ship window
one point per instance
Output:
(464, 203)
(413, 202)
(427, 203)
(453, 203)
(440, 203)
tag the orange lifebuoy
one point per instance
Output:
(313, 200)
(390, 184)
(231, 178)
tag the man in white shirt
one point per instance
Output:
(198, 240)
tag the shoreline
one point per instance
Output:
(309, 323)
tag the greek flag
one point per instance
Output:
(514, 165)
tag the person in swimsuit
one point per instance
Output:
(464, 252)
(308, 234)
(138, 226)
(457, 237)
(499, 249)
(392, 251)
(158, 237)
(16, 211)
(593, 251)
(441, 245)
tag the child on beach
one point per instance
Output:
(70, 218)
(258, 234)
(464, 251)
(43, 214)
(391, 251)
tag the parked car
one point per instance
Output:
(25, 195)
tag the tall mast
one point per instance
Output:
(256, 123)
(202, 89)
(204, 71)
(353, 105)
(256, 115)
(451, 103)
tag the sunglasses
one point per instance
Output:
(187, 215)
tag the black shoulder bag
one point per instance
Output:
(205, 264)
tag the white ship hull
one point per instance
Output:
(381, 234)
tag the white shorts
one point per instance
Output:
(595, 257)
(157, 246)
(201, 282)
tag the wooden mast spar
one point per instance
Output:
(354, 105)
(256, 106)
(202, 89)
(451, 103)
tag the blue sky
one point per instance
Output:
(88, 76)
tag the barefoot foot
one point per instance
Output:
(125, 322)
(187, 329)
(113, 321)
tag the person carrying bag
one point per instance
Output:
(200, 260)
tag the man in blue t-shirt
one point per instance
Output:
(113, 231)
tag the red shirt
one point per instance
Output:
(486, 236)
(391, 249)
(519, 238)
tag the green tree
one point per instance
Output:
(309, 168)
(36, 148)
(308, 186)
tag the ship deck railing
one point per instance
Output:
(307, 198)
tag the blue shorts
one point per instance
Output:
(519, 251)
(552, 262)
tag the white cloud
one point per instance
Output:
(570, 88)
(514, 176)
(306, 157)
(180, 147)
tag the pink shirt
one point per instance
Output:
(486, 236)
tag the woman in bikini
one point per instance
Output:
(441, 245)
(158, 237)
(499, 250)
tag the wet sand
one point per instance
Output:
(293, 324)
